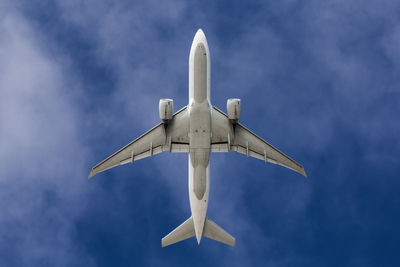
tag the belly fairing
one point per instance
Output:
(200, 145)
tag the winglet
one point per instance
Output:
(303, 172)
(91, 174)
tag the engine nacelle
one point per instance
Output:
(234, 108)
(166, 109)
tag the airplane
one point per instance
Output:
(198, 129)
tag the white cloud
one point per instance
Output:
(41, 157)
(40, 121)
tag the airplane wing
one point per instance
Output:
(242, 140)
(172, 137)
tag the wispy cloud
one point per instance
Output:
(80, 79)
(41, 156)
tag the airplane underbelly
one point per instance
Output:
(199, 148)
(200, 73)
(200, 134)
(199, 181)
(199, 109)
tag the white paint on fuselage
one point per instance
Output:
(199, 131)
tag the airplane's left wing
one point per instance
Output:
(172, 137)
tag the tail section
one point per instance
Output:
(186, 230)
(182, 232)
(213, 231)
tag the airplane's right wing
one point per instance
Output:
(244, 141)
(173, 138)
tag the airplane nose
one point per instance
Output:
(200, 35)
(200, 32)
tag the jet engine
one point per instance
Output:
(233, 107)
(166, 109)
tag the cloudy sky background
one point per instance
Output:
(318, 79)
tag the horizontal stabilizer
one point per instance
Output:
(213, 231)
(182, 232)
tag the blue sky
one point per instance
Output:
(318, 79)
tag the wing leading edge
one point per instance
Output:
(246, 142)
(172, 137)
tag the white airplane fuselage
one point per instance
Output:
(199, 131)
